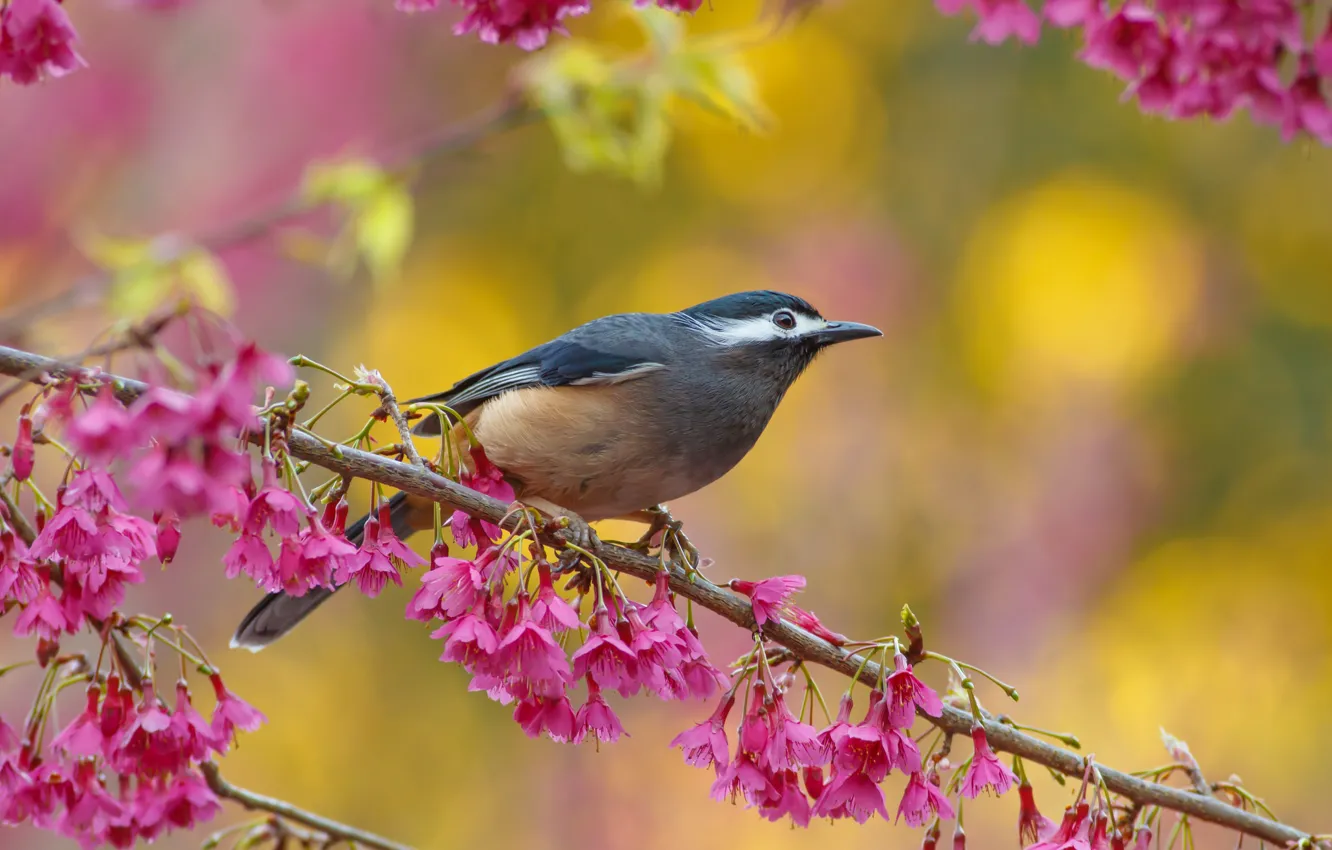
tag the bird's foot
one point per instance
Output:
(576, 531)
(673, 543)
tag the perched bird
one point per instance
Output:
(616, 416)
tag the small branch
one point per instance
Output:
(803, 645)
(511, 112)
(389, 402)
(258, 802)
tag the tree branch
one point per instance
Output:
(800, 643)
(258, 802)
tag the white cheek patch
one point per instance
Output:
(757, 329)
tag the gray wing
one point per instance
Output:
(607, 350)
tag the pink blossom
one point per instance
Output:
(596, 719)
(249, 555)
(549, 609)
(806, 620)
(36, 40)
(381, 556)
(453, 586)
(657, 656)
(606, 658)
(231, 713)
(469, 641)
(744, 776)
(484, 477)
(196, 735)
(189, 801)
(18, 577)
(529, 654)
(1071, 834)
(705, 745)
(21, 456)
(1071, 13)
(526, 23)
(767, 597)
(277, 507)
(787, 800)
(551, 715)
(167, 539)
(83, 736)
(1032, 825)
(985, 771)
(906, 693)
(1126, 42)
(415, 5)
(44, 617)
(150, 744)
(103, 432)
(923, 800)
(851, 795)
(1000, 19)
(163, 414)
(321, 554)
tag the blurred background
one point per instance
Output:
(1093, 450)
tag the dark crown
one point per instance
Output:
(744, 305)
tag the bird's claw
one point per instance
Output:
(576, 531)
(672, 537)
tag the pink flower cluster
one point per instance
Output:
(79, 563)
(526, 23)
(785, 767)
(1185, 58)
(511, 641)
(36, 41)
(125, 769)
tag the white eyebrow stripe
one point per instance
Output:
(755, 329)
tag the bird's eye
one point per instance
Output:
(784, 319)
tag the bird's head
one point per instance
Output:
(768, 331)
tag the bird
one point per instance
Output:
(614, 418)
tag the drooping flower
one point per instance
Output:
(526, 23)
(549, 714)
(231, 713)
(1032, 825)
(104, 431)
(922, 800)
(985, 771)
(37, 40)
(606, 658)
(705, 745)
(767, 597)
(596, 719)
(906, 693)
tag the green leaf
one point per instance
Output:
(384, 231)
(380, 216)
(146, 274)
(612, 113)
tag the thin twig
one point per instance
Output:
(802, 644)
(258, 802)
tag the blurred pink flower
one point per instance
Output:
(231, 713)
(526, 23)
(22, 455)
(37, 40)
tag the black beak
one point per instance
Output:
(836, 332)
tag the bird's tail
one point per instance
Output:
(277, 613)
